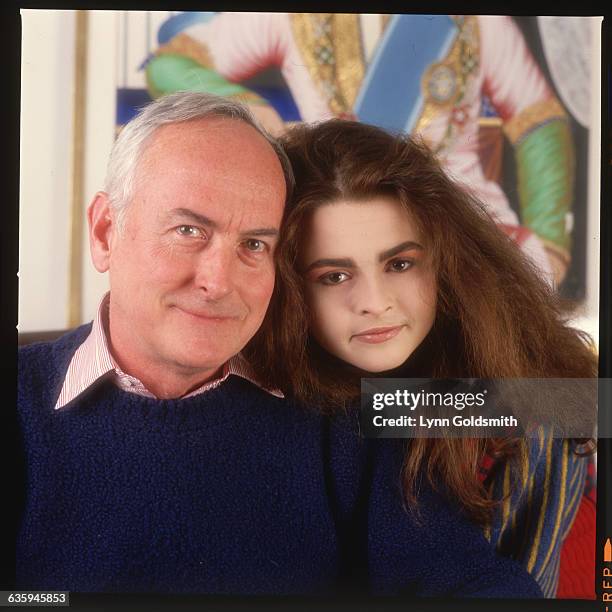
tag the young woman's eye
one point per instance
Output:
(333, 278)
(400, 265)
(190, 231)
(254, 245)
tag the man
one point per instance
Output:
(186, 229)
(154, 460)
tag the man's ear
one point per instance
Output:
(102, 225)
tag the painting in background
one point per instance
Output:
(504, 102)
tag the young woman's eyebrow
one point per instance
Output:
(331, 263)
(404, 246)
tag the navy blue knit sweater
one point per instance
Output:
(232, 491)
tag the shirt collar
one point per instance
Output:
(93, 361)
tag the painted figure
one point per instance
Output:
(423, 74)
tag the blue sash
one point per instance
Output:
(390, 95)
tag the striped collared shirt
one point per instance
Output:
(93, 360)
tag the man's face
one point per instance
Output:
(192, 273)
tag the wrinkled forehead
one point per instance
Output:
(221, 135)
(220, 144)
(223, 139)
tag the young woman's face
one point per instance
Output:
(369, 287)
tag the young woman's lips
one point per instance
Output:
(377, 335)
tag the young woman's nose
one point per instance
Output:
(372, 297)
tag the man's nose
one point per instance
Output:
(215, 271)
(372, 297)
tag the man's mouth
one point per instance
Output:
(207, 315)
(376, 335)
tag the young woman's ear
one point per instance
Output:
(102, 224)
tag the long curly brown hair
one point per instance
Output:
(496, 317)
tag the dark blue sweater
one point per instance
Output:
(232, 491)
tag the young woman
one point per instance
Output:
(387, 266)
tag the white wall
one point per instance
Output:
(45, 182)
(48, 58)
(99, 136)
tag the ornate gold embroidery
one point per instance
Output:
(444, 83)
(183, 44)
(330, 45)
(350, 65)
(532, 116)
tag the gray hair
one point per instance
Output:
(173, 108)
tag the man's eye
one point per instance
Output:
(400, 265)
(333, 278)
(255, 246)
(190, 231)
